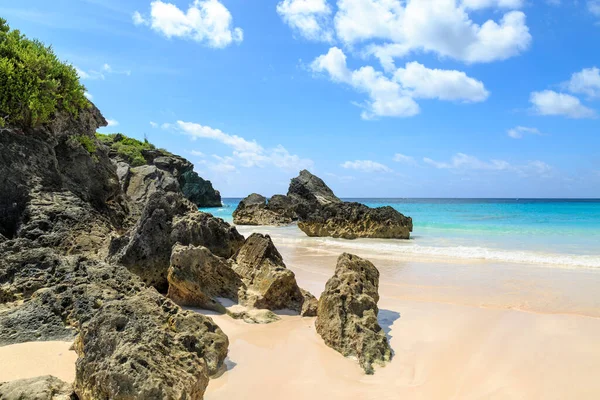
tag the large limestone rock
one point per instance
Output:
(269, 283)
(39, 388)
(347, 313)
(197, 278)
(146, 347)
(163, 171)
(168, 219)
(320, 213)
(355, 220)
(254, 210)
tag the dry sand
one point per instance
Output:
(28, 360)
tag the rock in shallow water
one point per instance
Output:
(347, 313)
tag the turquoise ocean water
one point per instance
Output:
(554, 232)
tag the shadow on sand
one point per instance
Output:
(386, 319)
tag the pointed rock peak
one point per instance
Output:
(310, 187)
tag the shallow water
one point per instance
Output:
(563, 233)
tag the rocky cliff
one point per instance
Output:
(320, 212)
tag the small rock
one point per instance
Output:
(39, 388)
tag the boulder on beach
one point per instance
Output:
(146, 347)
(197, 278)
(269, 283)
(254, 210)
(347, 313)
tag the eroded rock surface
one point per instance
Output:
(355, 220)
(320, 212)
(167, 219)
(146, 347)
(347, 313)
(197, 278)
(39, 388)
(269, 283)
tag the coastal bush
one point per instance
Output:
(34, 83)
(127, 148)
(87, 143)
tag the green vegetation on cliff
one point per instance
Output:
(127, 148)
(34, 83)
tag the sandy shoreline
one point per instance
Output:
(472, 330)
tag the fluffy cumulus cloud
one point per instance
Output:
(422, 82)
(205, 21)
(245, 153)
(586, 81)
(393, 95)
(365, 166)
(443, 27)
(112, 122)
(520, 131)
(549, 102)
(464, 162)
(310, 18)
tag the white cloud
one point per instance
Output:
(88, 96)
(246, 153)
(440, 84)
(153, 124)
(205, 21)
(480, 4)
(444, 28)
(465, 162)
(112, 122)
(587, 81)
(594, 7)
(165, 126)
(401, 158)
(519, 131)
(103, 71)
(549, 102)
(365, 166)
(394, 96)
(197, 153)
(308, 17)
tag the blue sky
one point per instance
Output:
(381, 98)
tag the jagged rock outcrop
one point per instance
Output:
(269, 283)
(347, 313)
(161, 170)
(254, 210)
(39, 388)
(146, 347)
(167, 219)
(255, 278)
(320, 213)
(197, 277)
(354, 220)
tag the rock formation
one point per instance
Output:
(270, 284)
(254, 210)
(354, 220)
(197, 277)
(38, 388)
(256, 278)
(146, 347)
(320, 213)
(167, 219)
(160, 170)
(347, 313)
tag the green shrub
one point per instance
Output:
(34, 83)
(127, 148)
(87, 143)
